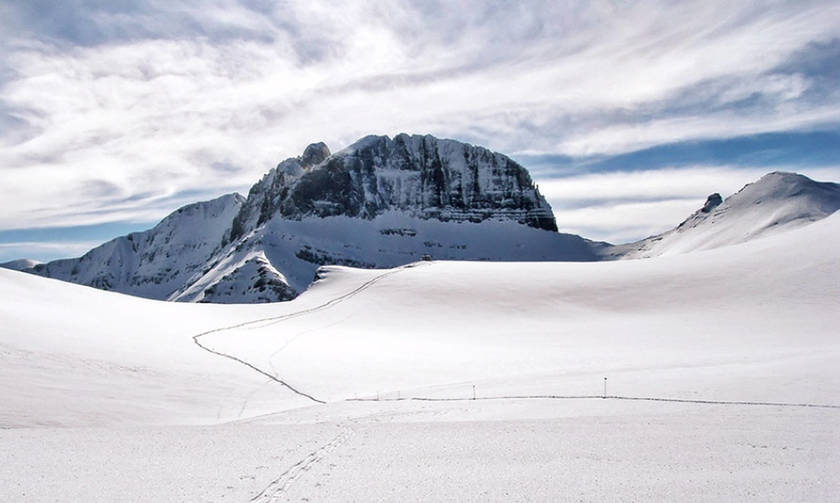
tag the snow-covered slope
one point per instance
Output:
(77, 356)
(755, 321)
(19, 264)
(379, 203)
(752, 322)
(769, 300)
(776, 202)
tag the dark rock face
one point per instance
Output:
(314, 154)
(419, 175)
(712, 202)
(265, 196)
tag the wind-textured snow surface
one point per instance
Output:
(777, 202)
(173, 402)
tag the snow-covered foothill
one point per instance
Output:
(155, 263)
(776, 202)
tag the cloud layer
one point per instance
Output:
(121, 111)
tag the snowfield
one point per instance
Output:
(113, 398)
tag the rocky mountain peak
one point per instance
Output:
(421, 176)
(315, 153)
(266, 195)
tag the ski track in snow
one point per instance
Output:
(597, 397)
(296, 337)
(277, 487)
(330, 303)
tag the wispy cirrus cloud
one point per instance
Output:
(119, 111)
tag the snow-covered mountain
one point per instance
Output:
(384, 202)
(19, 264)
(776, 202)
(420, 176)
(380, 202)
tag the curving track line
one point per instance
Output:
(326, 305)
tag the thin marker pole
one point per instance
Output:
(605, 387)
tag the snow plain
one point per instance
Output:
(108, 398)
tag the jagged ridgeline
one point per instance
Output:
(419, 175)
(380, 202)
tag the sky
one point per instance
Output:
(627, 113)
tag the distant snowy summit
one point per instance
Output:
(776, 202)
(19, 264)
(380, 202)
